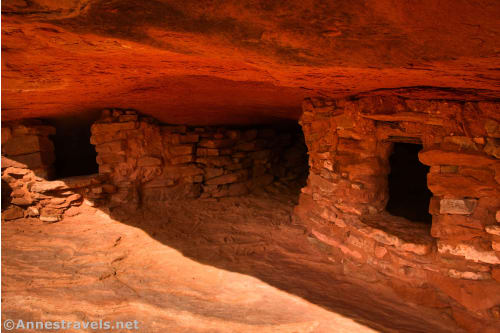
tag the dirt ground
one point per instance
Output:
(232, 265)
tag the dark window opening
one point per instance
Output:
(409, 196)
(75, 155)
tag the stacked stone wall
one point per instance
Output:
(143, 163)
(455, 264)
(150, 163)
(27, 167)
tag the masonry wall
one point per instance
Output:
(150, 163)
(27, 167)
(455, 264)
(26, 144)
(143, 164)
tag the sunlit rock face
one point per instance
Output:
(227, 62)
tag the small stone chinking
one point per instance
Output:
(453, 265)
(149, 162)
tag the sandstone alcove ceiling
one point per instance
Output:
(244, 166)
(238, 61)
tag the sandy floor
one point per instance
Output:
(236, 265)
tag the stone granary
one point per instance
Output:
(243, 166)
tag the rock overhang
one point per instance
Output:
(238, 62)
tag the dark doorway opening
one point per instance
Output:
(75, 155)
(291, 166)
(409, 196)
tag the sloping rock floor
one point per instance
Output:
(232, 265)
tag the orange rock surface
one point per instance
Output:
(203, 267)
(205, 62)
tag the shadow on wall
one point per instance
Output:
(253, 235)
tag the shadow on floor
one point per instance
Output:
(255, 236)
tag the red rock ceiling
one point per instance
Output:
(236, 61)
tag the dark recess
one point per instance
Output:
(75, 155)
(292, 168)
(6, 191)
(409, 196)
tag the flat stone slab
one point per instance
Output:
(444, 157)
(66, 183)
(398, 232)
